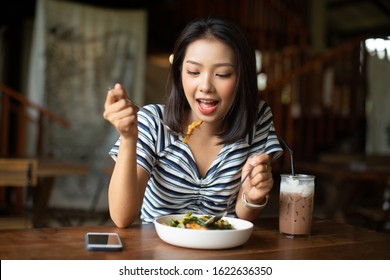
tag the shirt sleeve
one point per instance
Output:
(147, 140)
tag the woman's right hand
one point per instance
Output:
(120, 113)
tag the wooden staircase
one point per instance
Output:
(14, 118)
(319, 105)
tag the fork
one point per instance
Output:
(153, 116)
(224, 213)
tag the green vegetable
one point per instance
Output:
(194, 222)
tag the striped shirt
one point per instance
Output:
(175, 185)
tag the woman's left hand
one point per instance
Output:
(260, 181)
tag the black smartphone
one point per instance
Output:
(103, 241)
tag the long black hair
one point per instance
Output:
(243, 112)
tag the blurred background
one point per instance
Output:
(323, 67)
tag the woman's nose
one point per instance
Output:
(206, 84)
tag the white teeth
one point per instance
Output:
(206, 101)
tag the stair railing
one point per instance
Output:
(13, 122)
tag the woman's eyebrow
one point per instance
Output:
(216, 65)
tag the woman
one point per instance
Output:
(213, 82)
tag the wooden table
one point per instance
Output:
(330, 240)
(48, 170)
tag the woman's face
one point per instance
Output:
(209, 77)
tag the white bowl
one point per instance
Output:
(204, 239)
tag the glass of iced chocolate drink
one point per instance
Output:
(296, 204)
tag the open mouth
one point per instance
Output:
(207, 106)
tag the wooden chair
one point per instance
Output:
(378, 217)
(18, 173)
(370, 184)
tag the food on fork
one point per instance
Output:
(190, 130)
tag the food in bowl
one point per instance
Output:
(203, 239)
(198, 222)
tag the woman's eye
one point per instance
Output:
(192, 72)
(224, 75)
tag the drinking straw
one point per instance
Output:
(291, 155)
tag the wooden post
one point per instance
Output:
(4, 135)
